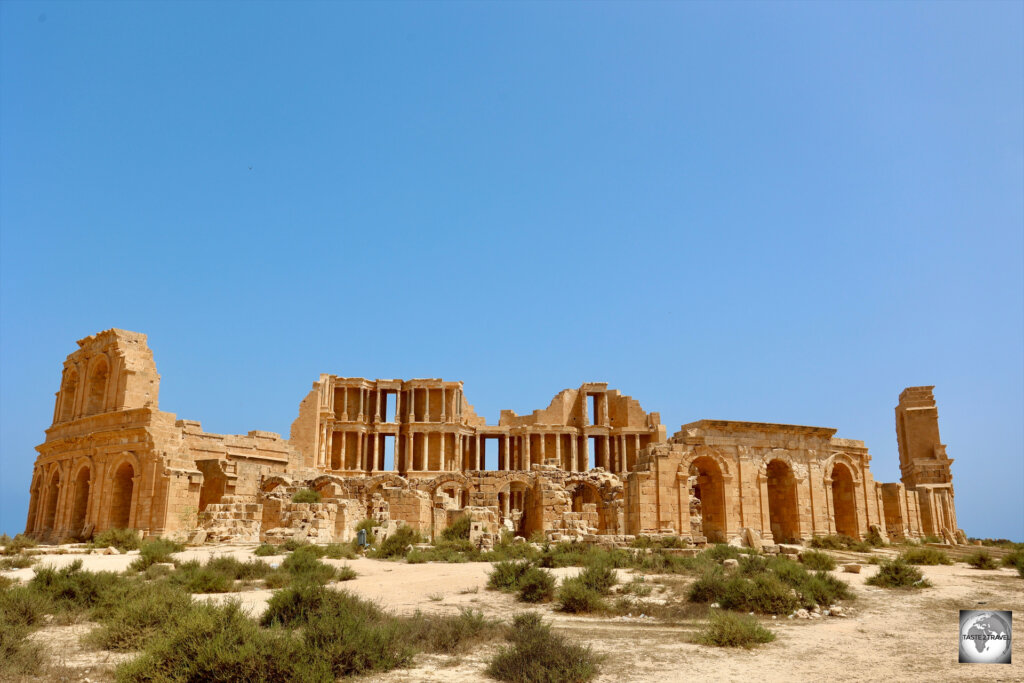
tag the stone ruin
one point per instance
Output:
(592, 466)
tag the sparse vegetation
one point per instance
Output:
(507, 575)
(813, 559)
(774, 585)
(537, 654)
(536, 585)
(458, 530)
(397, 544)
(267, 549)
(20, 543)
(842, 542)
(122, 539)
(898, 574)
(1015, 559)
(925, 556)
(153, 551)
(981, 560)
(728, 629)
(17, 562)
(306, 496)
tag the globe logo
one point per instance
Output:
(985, 637)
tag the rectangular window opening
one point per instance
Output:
(389, 452)
(591, 452)
(389, 406)
(592, 408)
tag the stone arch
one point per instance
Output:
(96, 385)
(724, 467)
(844, 500)
(272, 482)
(842, 458)
(318, 484)
(583, 493)
(36, 491)
(82, 480)
(710, 489)
(459, 484)
(68, 392)
(388, 478)
(122, 485)
(798, 469)
(516, 502)
(52, 494)
(783, 509)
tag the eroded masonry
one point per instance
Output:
(593, 465)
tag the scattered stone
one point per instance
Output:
(789, 549)
(111, 550)
(802, 614)
(852, 568)
(730, 563)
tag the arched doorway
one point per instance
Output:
(67, 396)
(80, 506)
(585, 493)
(121, 496)
(844, 502)
(783, 514)
(97, 388)
(33, 504)
(709, 489)
(52, 492)
(515, 502)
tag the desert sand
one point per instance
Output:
(885, 635)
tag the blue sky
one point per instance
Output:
(751, 211)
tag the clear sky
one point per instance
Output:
(750, 211)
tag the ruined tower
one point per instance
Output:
(924, 465)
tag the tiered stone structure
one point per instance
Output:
(592, 465)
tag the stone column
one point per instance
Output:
(508, 452)
(330, 443)
(344, 442)
(398, 410)
(359, 449)
(376, 405)
(444, 407)
(585, 455)
(558, 449)
(426, 410)
(604, 409)
(574, 453)
(376, 450)
(136, 482)
(344, 403)
(624, 457)
(526, 451)
(543, 447)
(361, 393)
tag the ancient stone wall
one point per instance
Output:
(591, 464)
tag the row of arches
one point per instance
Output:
(64, 506)
(95, 386)
(782, 494)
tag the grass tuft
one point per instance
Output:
(982, 560)
(728, 629)
(537, 654)
(898, 574)
(306, 496)
(813, 559)
(925, 556)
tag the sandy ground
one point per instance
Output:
(890, 635)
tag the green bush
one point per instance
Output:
(599, 577)
(19, 656)
(727, 629)
(17, 562)
(765, 593)
(345, 573)
(368, 525)
(153, 551)
(131, 620)
(708, 587)
(293, 544)
(637, 587)
(219, 643)
(458, 530)
(576, 597)
(538, 655)
(898, 574)
(194, 577)
(981, 560)
(449, 633)
(813, 559)
(73, 590)
(833, 542)
(267, 549)
(932, 539)
(506, 575)
(306, 496)
(536, 585)
(122, 539)
(1015, 559)
(302, 565)
(773, 585)
(925, 556)
(340, 551)
(397, 543)
(20, 542)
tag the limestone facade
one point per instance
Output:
(592, 465)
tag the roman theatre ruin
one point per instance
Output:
(592, 466)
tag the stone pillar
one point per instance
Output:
(344, 442)
(376, 451)
(624, 459)
(444, 408)
(444, 449)
(344, 403)
(426, 410)
(361, 392)
(376, 405)
(359, 447)
(426, 447)
(136, 482)
(526, 451)
(604, 409)
(543, 447)
(585, 455)
(575, 455)
(558, 449)
(508, 453)
(398, 411)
